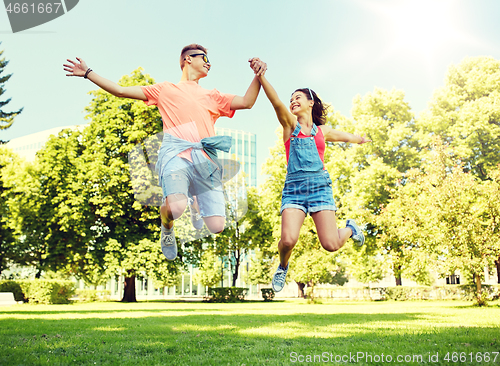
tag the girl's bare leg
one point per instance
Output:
(330, 237)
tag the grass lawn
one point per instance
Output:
(252, 333)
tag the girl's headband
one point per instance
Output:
(312, 98)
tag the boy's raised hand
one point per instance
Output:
(76, 68)
(258, 66)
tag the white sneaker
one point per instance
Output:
(168, 243)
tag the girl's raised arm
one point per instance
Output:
(287, 119)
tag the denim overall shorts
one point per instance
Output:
(308, 186)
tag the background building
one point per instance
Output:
(27, 146)
(244, 150)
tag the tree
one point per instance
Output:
(365, 176)
(469, 237)
(138, 260)
(210, 269)
(466, 114)
(364, 266)
(492, 190)
(6, 118)
(117, 126)
(260, 271)
(49, 206)
(453, 215)
(9, 246)
(262, 256)
(316, 266)
(246, 227)
(63, 214)
(400, 231)
(275, 170)
(79, 211)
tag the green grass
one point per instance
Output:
(252, 333)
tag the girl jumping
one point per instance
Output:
(308, 187)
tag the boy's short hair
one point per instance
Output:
(186, 51)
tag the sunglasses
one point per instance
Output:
(205, 58)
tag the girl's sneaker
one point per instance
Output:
(279, 278)
(357, 234)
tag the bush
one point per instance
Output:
(340, 292)
(267, 294)
(14, 287)
(88, 295)
(488, 293)
(226, 294)
(47, 291)
(404, 293)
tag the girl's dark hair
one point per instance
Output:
(319, 111)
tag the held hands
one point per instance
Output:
(363, 138)
(76, 68)
(259, 67)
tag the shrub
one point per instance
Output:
(47, 291)
(404, 293)
(88, 295)
(226, 294)
(488, 293)
(267, 294)
(14, 287)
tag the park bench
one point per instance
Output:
(7, 298)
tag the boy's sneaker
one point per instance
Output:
(196, 218)
(168, 244)
(357, 234)
(279, 278)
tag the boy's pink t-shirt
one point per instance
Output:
(188, 111)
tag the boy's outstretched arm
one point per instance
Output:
(79, 68)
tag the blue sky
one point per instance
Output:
(339, 48)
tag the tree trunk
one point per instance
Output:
(497, 262)
(129, 289)
(236, 266)
(221, 271)
(310, 285)
(301, 289)
(479, 296)
(2, 258)
(397, 275)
